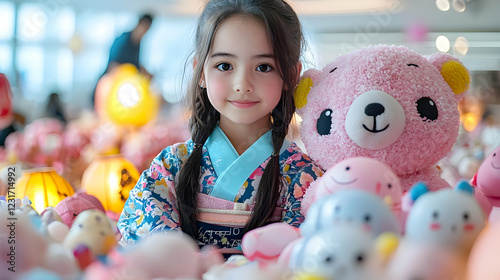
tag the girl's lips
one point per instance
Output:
(243, 103)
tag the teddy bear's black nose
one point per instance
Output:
(374, 109)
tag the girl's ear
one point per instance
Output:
(299, 69)
(202, 78)
(202, 81)
(195, 62)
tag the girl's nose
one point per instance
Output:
(243, 83)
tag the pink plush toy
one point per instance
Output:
(483, 258)
(384, 102)
(265, 244)
(6, 113)
(358, 173)
(487, 185)
(71, 206)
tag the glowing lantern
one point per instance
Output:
(102, 91)
(44, 187)
(130, 100)
(471, 110)
(110, 178)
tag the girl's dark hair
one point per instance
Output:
(284, 30)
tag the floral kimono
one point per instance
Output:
(228, 185)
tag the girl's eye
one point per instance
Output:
(264, 68)
(224, 66)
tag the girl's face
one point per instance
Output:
(241, 75)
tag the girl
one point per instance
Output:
(237, 172)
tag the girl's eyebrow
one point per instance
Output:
(223, 54)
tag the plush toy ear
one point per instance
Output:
(464, 186)
(453, 71)
(302, 90)
(417, 190)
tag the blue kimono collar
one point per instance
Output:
(232, 169)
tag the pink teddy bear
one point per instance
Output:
(384, 102)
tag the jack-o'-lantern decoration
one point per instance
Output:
(110, 178)
(44, 188)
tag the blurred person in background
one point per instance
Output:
(55, 108)
(126, 48)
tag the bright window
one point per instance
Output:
(30, 67)
(6, 21)
(5, 58)
(31, 23)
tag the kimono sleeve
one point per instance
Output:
(298, 183)
(151, 205)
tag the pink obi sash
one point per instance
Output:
(217, 211)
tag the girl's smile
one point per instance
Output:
(243, 103)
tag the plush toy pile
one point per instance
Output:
(377, 120)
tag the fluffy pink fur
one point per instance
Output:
(391, 69)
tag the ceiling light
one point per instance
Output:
(442, 43)
(458, 5)
(315, 7)
(461, 46)
(443, 5)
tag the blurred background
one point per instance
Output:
(60, 48)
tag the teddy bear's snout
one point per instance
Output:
(375, 120)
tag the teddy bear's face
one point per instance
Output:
(383, 102)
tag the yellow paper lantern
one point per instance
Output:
(130, 100)
(110, 178)
(44, 187)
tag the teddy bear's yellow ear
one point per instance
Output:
(301, 92)
(456, 75)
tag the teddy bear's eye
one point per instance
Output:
(331, 71)
(324, 123)
(427, 109)
(414, 65)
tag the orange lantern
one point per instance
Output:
(44, 187)
(110, 178)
